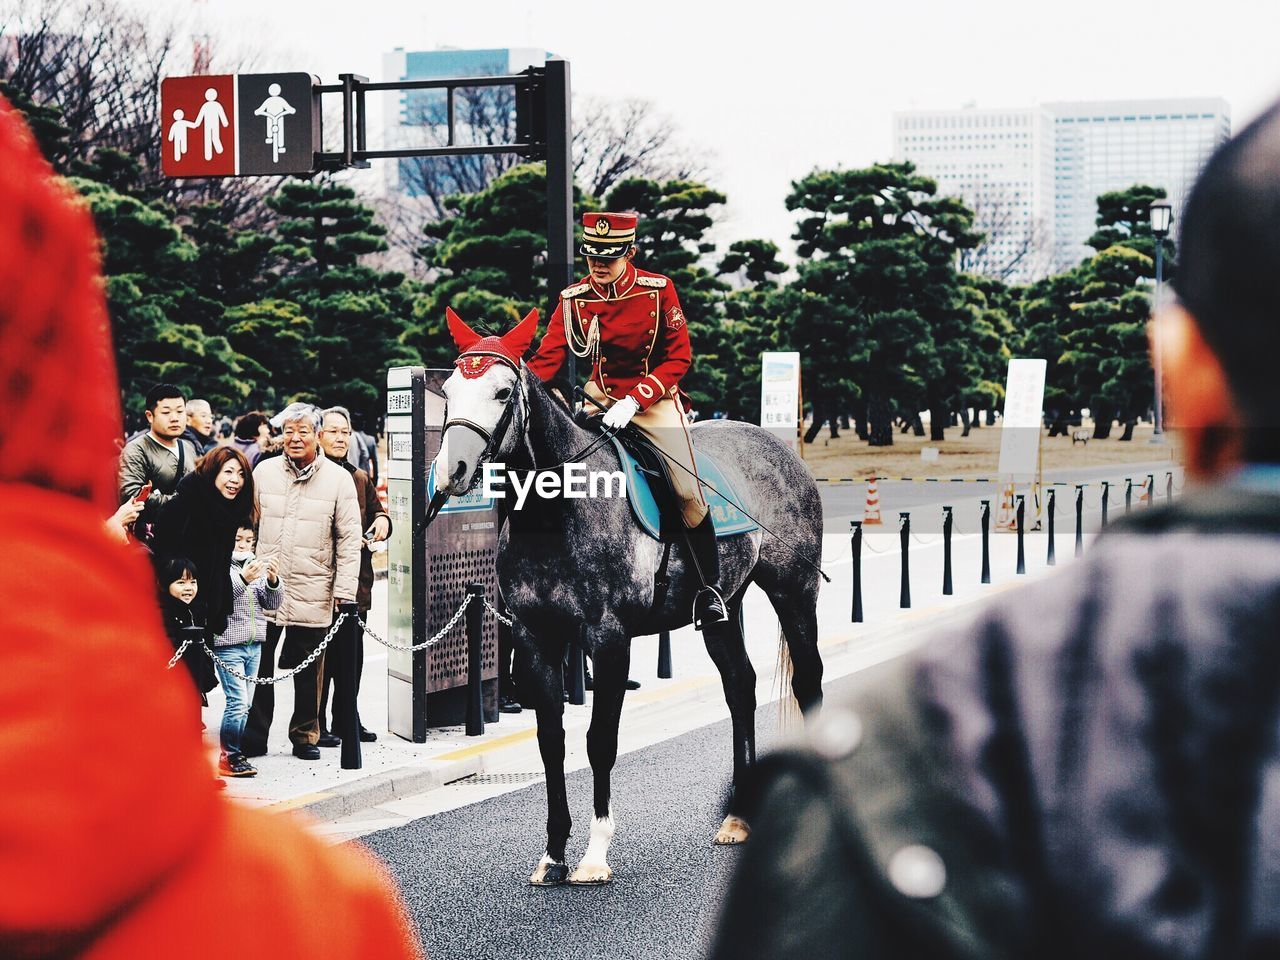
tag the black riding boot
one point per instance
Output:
(708, 605)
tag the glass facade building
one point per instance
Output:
(1110, 145)
(1000, 163)
(1033, 175)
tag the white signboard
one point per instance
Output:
(780, 395)
(1023, 415)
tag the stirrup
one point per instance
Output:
(708, 608)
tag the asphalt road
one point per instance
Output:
(464, 872)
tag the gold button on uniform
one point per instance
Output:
(652, 314)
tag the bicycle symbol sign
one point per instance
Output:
(239, 124)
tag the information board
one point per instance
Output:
(1023, 417)
(780, 395)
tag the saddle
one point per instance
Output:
(653, 501)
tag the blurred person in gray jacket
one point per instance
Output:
(1091, 769)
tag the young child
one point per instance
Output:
(179, 601)
(255, 587)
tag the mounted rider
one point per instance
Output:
(629, 324)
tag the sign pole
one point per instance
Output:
(559, 141)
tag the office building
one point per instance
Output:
(1113, 144)
(1000, 163)
(1033, 175)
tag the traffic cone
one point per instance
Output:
(872, 512)
(1146, 494)
(1006, 518)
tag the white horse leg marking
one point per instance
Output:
(594, 867)
(733, 830)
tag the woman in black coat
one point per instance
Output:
(200, 522)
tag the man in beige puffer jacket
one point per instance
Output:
(311, 524)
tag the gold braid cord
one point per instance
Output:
(592, 342)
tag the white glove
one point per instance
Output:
(620, 414)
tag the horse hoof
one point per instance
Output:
(733, 831)
(549, 873)
(589, 874)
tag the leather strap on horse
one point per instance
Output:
(661, 581)
(492, 441)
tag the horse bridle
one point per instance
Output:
(492, 439)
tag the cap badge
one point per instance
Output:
(602, 227)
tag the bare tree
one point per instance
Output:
(484, 116)
(614, 140)
(1016, 247)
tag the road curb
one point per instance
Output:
(368, 792)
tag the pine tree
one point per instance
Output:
(359, 315)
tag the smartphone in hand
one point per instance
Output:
(143, 493)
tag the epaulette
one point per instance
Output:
(652, 281)
(568, 293)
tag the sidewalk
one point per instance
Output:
(506, 756)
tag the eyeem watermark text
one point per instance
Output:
(573, 482)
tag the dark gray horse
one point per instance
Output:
(565, 564)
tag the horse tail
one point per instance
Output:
(788, 705)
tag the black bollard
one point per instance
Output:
(664, 656)
(1128, 495)
(475, 628)
(1022, 554)
(857, 570)
(1106, 492)
(1079, 519)
(904, 598)
(1052, 560)
(344, 686)
(1168, 485)
(946, 552)
(1151, 490)
(577, 673)
(986, 541)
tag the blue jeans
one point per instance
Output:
(243, 657)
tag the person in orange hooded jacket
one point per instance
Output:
(100, 860)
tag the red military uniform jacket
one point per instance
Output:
(642, 349)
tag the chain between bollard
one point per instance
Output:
(505, 621)
(432, 641)
(311, 657)
(308, 661)
(178, 656)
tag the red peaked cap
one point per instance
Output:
(472, 347)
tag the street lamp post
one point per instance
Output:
(1161, 218)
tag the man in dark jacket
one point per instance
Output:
(1092, 769)
(201, 430)
(335, 440)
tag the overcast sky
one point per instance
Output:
(771, 91)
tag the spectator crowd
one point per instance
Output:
(257, 529)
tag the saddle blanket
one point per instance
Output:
(725, 517)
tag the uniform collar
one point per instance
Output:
(619, 287)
